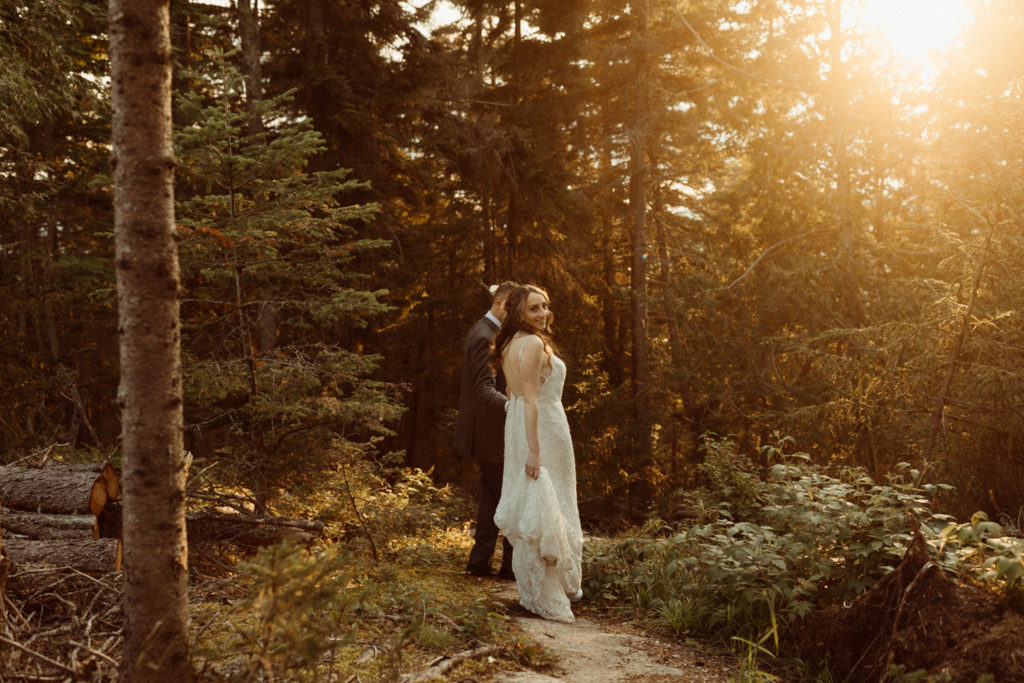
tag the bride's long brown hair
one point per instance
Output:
(515, 321)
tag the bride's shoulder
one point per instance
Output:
(532, 342)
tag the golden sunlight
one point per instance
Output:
(915, 28)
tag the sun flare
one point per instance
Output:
(916, 28)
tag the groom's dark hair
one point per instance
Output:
(504, 289)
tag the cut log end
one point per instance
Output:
(113, 486)
(98, 496)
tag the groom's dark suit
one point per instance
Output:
(480, 434)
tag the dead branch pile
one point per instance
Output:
(60, 562)
(61, 625)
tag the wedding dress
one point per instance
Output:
(540, 516)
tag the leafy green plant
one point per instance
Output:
(981, 549)
(770, 545)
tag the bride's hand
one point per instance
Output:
(533, 466)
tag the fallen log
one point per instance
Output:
(59, 488)
(41, 525)
(91, 556)
(248, 532)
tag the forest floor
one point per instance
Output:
(603, 650)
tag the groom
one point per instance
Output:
(480, 432)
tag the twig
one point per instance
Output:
(36, 655)
(93, 578)
(768, 251)
(731, 67)
(449, 663)
(94, 652)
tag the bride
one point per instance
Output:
(537, 511)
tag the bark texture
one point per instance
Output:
(92, 556)
(46, 526)
(155, 553)
(52, 489)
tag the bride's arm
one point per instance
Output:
(529, 368)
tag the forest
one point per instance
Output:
(785, 260)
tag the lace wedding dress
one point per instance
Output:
(539, 516)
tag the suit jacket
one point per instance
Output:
(480, 425)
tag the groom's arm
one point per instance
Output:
(487, 395)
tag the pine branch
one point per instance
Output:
(809, 233)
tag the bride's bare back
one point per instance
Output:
(526, 365)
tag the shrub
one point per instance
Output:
(769, 546)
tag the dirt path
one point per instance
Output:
(592, 652)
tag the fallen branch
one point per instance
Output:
(39, 656)
(248, 532)
(446, 664)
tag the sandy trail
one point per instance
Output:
(589, 652)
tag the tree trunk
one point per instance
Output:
(513, 223)
(249, 33)
(613, 360)
(146, 260)
(675, 341)
(638, 171)
(841, 114)
(638, 178)
(92, 556)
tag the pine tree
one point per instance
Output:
(259, 232)
(55, 270)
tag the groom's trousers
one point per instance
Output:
(486, 537)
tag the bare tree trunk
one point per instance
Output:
(675, 342)
(841, 115)
(613, 361)
(514, 219)
(155, 550)
(249, 32)
(638, 172)
(89, 555)
(56, 489)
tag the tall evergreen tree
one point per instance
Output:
(54, 127)
(259, 232)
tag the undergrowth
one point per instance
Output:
(771, 543)
(313, 613)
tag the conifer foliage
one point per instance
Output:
(269, 295)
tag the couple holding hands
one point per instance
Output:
(511, 420)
